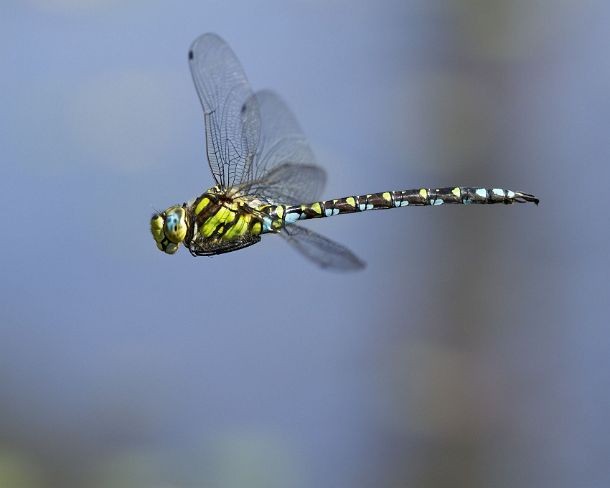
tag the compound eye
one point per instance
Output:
(172, 222)
(175, 226)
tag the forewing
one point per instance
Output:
(284, 169)
(232, 120)
(322, 251)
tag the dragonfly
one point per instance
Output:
(267, 178)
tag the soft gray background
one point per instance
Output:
(473, 350)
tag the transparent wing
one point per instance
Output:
(322, 251)
(284, 168)
(232, 120)
(288, 183)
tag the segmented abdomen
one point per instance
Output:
(403, 198)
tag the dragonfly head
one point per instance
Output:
(169, 228)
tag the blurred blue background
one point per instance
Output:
(472, 351)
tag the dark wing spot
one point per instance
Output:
(191, 55)
(243, 108)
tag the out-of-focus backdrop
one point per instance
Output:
(472, 352)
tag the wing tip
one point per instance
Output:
(208, 37)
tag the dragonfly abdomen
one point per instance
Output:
(392, 199)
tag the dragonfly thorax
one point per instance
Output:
(169, 228)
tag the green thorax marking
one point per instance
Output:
(216, 215)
